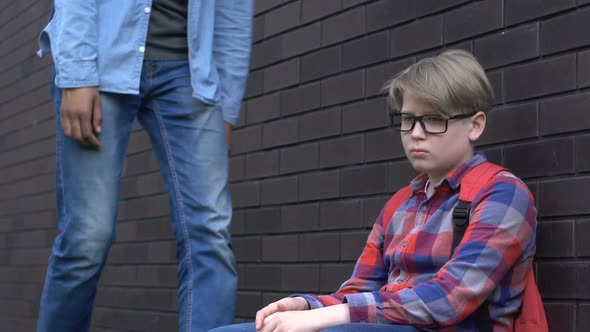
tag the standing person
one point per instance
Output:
(410, 277)
(179, 67)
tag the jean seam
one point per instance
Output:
(59, 153)
(59, 162)
(181, 215)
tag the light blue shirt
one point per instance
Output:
(102, 43)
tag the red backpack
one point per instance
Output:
(532, 313)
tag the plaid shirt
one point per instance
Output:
(408, 277)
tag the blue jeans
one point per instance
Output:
(354, 327)
(188, 139)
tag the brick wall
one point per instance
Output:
(313, 159)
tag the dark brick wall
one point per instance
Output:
(313, 159)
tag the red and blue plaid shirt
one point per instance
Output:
(408, 277)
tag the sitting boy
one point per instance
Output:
(409, 277)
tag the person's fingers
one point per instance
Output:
(97, 115)
(269, 324)
(260, 315)
(258, 320)
(76, 131)
(81, 115)
(265, 312)
(87, 134)
(66, 124)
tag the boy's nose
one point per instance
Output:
(418, 130)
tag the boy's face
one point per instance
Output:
(439, 154)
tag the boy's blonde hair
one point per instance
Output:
(452, 82)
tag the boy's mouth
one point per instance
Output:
(418, 152)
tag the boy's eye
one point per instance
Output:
(407, 118)
(434, 119)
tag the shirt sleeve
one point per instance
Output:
(501, 235)
(369, 274)
(73, 38)
(231, 50)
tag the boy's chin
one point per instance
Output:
(420, 166)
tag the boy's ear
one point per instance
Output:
(478, 124)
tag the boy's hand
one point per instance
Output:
(286, 304)
(81, 115)
(292, 321)
(305, 321)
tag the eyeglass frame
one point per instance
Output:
(415, 118)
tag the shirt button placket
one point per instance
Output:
(146, 10)
(420, 213)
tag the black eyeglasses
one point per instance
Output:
(431, 123)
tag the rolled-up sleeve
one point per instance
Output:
(72, 35)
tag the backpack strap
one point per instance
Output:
(476, 179)
(472, 184)
(460, 222)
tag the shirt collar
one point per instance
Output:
(454, 178)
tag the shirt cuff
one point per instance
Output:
(76, 74)
(313, 302)
(362, 307)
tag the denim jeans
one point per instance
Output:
(188, 139)
(353, 327)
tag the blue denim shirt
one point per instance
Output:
(102, 43)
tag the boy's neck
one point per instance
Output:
(435, 179)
